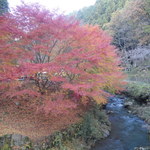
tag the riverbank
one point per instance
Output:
(138, 101)
(94, 127)
(142, 111)
(81, 136)
(128, 131)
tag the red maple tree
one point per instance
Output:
(52, 64)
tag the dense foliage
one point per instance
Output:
(100, 13)
(130, 26)
(51, 65)
(128, 21)
(139, 92)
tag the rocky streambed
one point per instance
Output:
(128, 131)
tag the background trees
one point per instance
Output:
(100, 13)
(127, 21)
(129, 26)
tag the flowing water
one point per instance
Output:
(128, 131)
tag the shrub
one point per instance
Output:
(139, 91)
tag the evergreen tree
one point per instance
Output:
(101, 12)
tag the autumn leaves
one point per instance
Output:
(78, 62)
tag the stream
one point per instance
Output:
(128, 131)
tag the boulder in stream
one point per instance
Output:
(128, 104)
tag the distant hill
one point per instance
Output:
(100, 13)
(128, 21)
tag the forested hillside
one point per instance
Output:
(130, 29)
(130, 25)
(101, 12)
(128, 21)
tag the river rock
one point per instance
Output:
(141, 148)
(129, 111)
(106, 133)
(110, 112)
(18, 139)
(128, 104)
(148, 127)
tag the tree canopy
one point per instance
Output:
(130, 26)
(100, 13)
(52, 66)
(128, 21)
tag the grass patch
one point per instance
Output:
(139, 91)
(139, 94)
(139, 75)
(143, 112)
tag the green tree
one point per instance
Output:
(130, 26)
(121, 28)
(100, 13)
(3, 6)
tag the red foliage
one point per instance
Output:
(64, 64)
